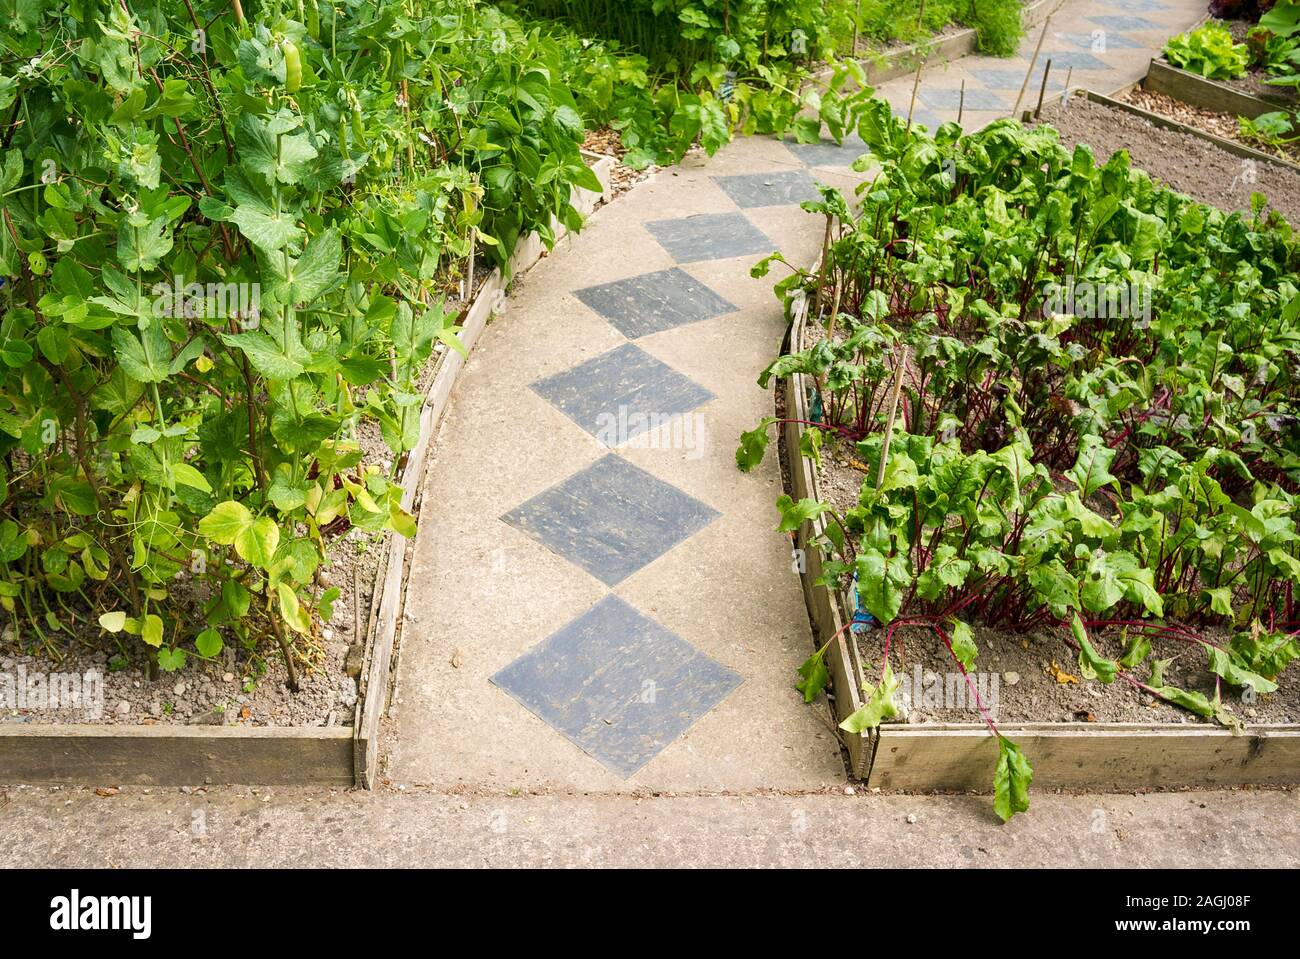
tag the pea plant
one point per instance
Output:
(1095, 384)
(228, 231)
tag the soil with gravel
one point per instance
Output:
(622, 178)
(1034, 677)
(1181, 161)
(1224, 125)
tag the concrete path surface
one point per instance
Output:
(598, 599)
(422, 827)
(1101, 45)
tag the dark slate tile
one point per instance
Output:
(652, 302)
(926, 119)
(611, 519)
(619, 394)
(976, 99)
(1069, 59)
(1107, 39)
(1116, 22)
(778, 188)
(616, 684)
(828, 153)
(709, 236)
(999, 78)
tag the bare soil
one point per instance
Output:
(1182, 161)
(1034, 677)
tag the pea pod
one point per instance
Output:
(343, 139)
(358, 125)
(292, 67)
(313, 20)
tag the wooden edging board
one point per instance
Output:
(826, 611)
(962, 756)
(167, 755)
(1198, 91)
(891, 64)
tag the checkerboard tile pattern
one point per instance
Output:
(618, 395)
(709, 236)
(777, 188)
(616, 684)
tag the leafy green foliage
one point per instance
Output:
(878, 707)
(1087, 463)
(1011, 780)
(229, 240)
(1210, 51)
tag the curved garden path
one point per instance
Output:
(590, 611)
(485, 592)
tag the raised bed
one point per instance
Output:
(176, 755)
(827, 611)
(1166, 123)
(1197, 91)
(959, 756)
(903, 61)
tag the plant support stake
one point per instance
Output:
(1033, 62)
(1042, 89)
(915, 85)
(896, 390)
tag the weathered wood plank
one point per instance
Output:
(823, 607)
(1104, 755)
(175, 755)
(1198, 91)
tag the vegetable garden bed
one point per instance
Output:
(1065, 399)
(346, 755)
(958, 756)
(950, 45)
(1187, 159)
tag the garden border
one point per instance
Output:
(826, 612)
(1199, 91)
(892, 64)
(341, 756)
(961, 756)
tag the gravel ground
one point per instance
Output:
(1183, 162)
(622, 178)
(1225, 125)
